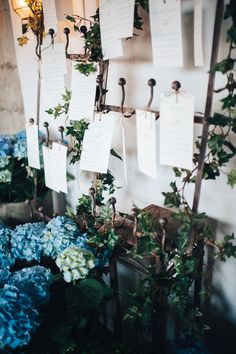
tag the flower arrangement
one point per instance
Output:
(16, 177)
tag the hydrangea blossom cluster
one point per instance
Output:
(5, 176)
(6, 260)
(5, 146)
(34, 282)
(17, 317)
(27, 241)
(20, 145)
(75, 263)
(61, 232)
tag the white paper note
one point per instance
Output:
(111, 44)
(166, 33)
(50, 15)
(50, 174)
(97, 144)
(176, 130)
(59, 164)
(146, 142)
(33, 145)
(198, 51)
(83, 95)
(125, 18)
(53, 71)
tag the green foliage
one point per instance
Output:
(224, 66)
(232, 178)
(106, 239)
(61, 108)
(172, 198)
(86, 69)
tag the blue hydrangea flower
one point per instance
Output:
(17, 318)
(34, 282)
(4, 277)
(20, 145)
(5, 146)
(61, 232)
(4, 161)
(6, 260)
(27, 241)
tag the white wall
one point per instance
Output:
(218, 200)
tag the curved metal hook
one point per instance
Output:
(46, 125)
(122, 83)
(134, 214)
(67, 32)
(28, 203)
(92, 193)
(51, 32)
(38, 45)
(99, 93)
(112, 202)
(151, 83)
(176, 86)
(61, 130)
(31, 121)
(163, 222)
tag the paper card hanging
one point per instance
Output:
(176, 130)
(146, 142)
(97, 144)
(32, 140)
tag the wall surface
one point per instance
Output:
(218, 200)
(11, 105)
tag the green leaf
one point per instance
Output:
(232, 34)
(87, 294)
(177, 172)
(224, 66)
(229, 102)
(232, 178)
(114, 153)
(219, 119)
(70, 18)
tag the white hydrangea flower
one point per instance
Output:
(75, 263)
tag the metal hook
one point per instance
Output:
(51, 32)
(46, 125)
(92, 193)
(61, 130)
(122, 83)
(176, 86)
(112, 202)
(42, 214)
(67, 32)
(151, 83)
(28, 202)
(99, 92)
(38, 45)
(134, 214)
(163, 222)
(31, 121)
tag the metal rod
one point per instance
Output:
(205, 130)
(197, 118)
(209, 101)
